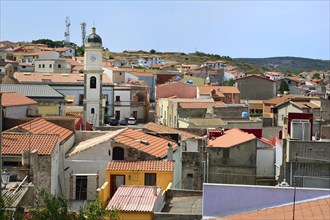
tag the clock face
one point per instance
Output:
(93, 58)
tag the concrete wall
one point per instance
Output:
(17, 111)
(255, 88)
(230, 112)
(283, 112)
(238, 168)
(266, 163)
(56, 176)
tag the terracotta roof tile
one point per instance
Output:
(155, 146)
(55, 77)
(16, 99)
(151, 126)
(13, 143)
(134, 199)
(254, 75)
(41, 126)
(231, 138)
(37, 53)
(77, 119)
(201, 104)
(283, 98)
(148, 165)
(306, 210)
(218, 89)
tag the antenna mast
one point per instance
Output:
(67, 32)
(83, 32)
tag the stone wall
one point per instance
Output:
(192, 170)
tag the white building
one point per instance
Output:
(31, 57)
(52, 66)
(149, 61)
(131, 101)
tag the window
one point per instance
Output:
(117, 98)
(120, 73)
(118, 153)
(59, 66)
(50, 65)
(43, 65)
(225, 153)
(93, 82)
(22, 67)
(150, 179)
(92, 110)
(39, 65)
(81, 187)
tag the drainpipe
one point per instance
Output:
(207, 167)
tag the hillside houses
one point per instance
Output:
(166, 133)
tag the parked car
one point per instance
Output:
(131, 121)
(114, 121)
(122, 121)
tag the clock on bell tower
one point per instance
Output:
(93, 113)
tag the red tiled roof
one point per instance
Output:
(308, 210)
(281, 99)
(218, 89)
(77, 119)
(231, 138)
(37, 53)
(148, 165)
(134, 199)
(254, 75)
(151, 126)
(156, 146)
(41, 126)
(16, 99)
(13, 143)
(201, 104)
(55, 77)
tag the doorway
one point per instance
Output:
(115, 182)
(81, 187)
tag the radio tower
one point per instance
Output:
(83, 32)
(67, 32)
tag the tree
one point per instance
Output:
(231, 82)
(284, 87)
(152, 51)
(316, 76)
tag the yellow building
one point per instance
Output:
(141, 173)
(143, 181)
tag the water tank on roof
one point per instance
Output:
(190, 81)
(245, 114)
(178, 78)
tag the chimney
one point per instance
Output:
(169, 152)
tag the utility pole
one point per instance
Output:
(83, 32)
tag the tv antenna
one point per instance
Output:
(67, 32)
(83, 32)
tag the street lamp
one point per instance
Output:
(5, 177)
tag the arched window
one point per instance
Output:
(118, 153)
(92, 110)
(93, 82)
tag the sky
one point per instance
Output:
(253, 29)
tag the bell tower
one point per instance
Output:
(93, 113)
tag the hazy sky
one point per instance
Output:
(233, 28)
